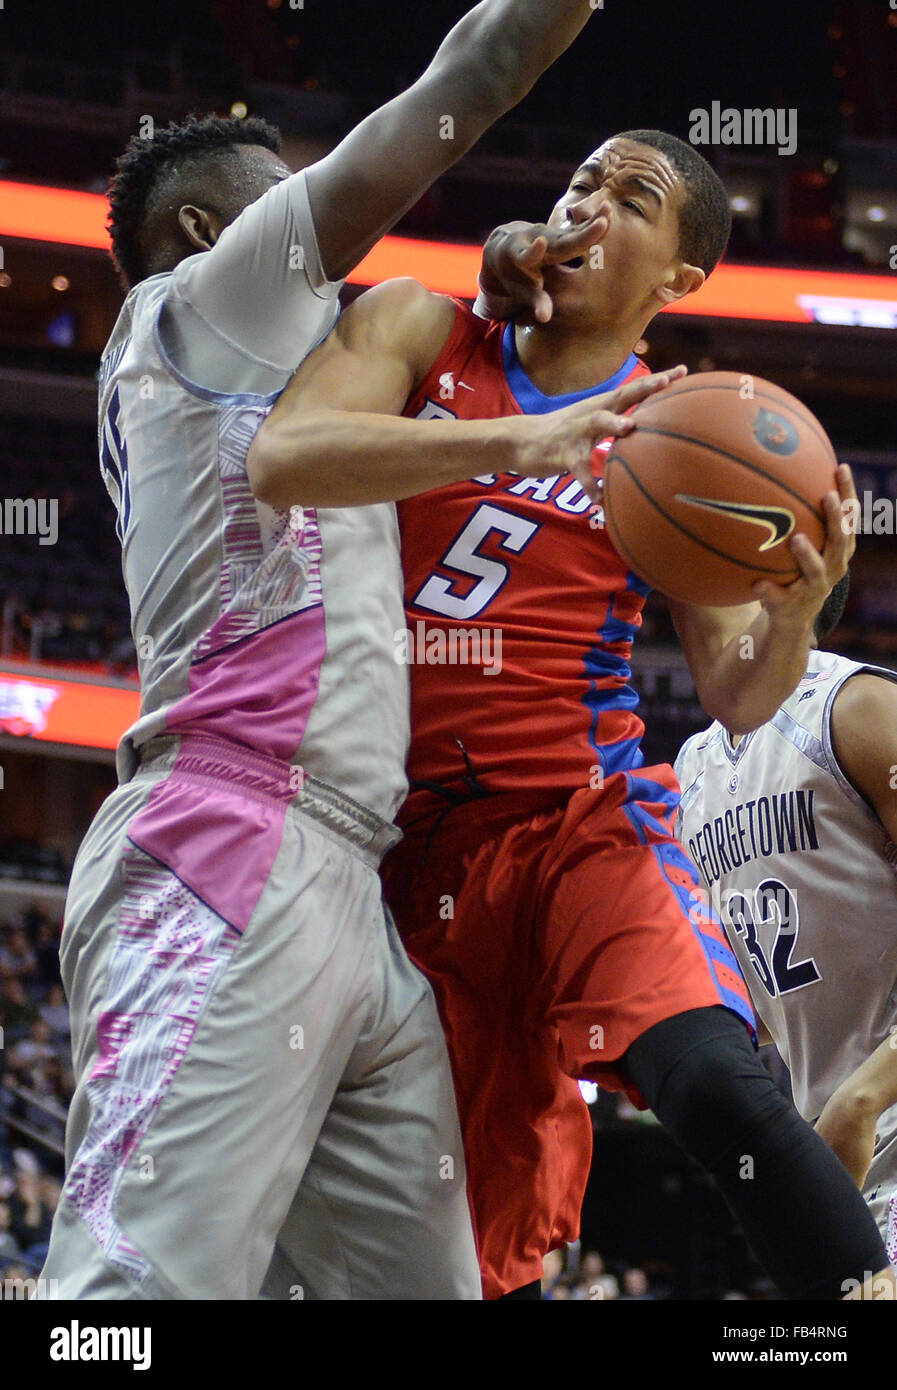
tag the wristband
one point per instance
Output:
(486, 304)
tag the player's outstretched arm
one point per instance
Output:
(334, 439)
(485, 65)
(746, 660)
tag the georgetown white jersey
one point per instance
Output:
(801, 871)
(271, 630)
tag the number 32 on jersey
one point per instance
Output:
(769, 908)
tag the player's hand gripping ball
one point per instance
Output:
(701, 499)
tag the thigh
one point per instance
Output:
(382, 1211)
(207, 1059)
(470, 920)
(626, 937)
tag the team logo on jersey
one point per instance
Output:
(777, 521)
(447, 386)
(812, 676)
(732, 783)
(775, 433)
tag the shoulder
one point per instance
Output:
(399, 314)
(400, 300)
(863, 698)
(863, 725)
(146, 296)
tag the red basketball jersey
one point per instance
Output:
(520, 614)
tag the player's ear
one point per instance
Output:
(201, 228)
(682, 281)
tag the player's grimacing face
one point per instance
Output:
(636, 195)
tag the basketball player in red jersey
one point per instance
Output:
(539, 884)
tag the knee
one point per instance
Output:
(705, 1083)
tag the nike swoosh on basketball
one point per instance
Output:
(778, 521)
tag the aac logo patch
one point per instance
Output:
(775, 433)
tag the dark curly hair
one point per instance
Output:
(177, 159)
(832, 611)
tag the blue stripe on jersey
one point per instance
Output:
(641, 789)
(614, 757)
(616, 630)
(114, 462)
(637, 584)
(531, 400)
(621, 757)
(657, 793)
(609, 697)
(599, 664)
(714, 950)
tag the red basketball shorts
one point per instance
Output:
(552, 939)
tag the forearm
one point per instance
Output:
(492, 57)
(755, 672)
(337, 458)
(849, 1120)
(486, 64)
(872, 1088)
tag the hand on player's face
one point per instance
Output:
(626, 193)
(562, 441)
(632, 198)
(798, 603)
(515, 255)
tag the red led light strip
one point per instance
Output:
(65, 217)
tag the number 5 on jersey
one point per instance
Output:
(438, 595)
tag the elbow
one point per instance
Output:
(492, 75)
(262, 469)
(741, 719)
(853, 1102)
(737, 713)
(502, 86)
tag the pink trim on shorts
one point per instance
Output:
(217, 820)
(170, 954)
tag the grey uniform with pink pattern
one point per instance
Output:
(264, 1102)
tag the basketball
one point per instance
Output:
(702, 498)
